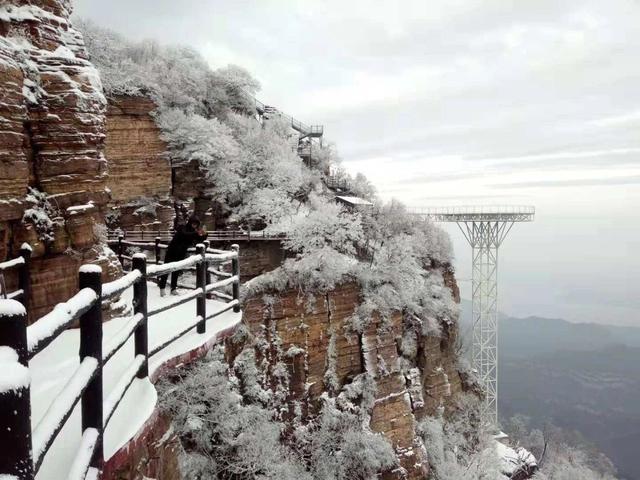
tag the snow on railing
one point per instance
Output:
(166, 268)
(21, 263)
(20, 343)
(118, 341)
(116, 395)
(11, 263)
(116, 287)
(80, 465)
(60, 409)
(121, 239)
(47, 328)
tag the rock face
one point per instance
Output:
(256, 256)
(310, 336)
(139, 166)
(52, 131)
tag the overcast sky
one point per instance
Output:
(457, 102)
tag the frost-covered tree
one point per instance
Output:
(274, 179)
(222, 437)
(206, 140)
(458, 447)
(362, 187)
(326, 224)
(561, 454)
(230, 435)
(338, 447)
(174, 76)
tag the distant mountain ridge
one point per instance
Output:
(537, 335)
(582, 376)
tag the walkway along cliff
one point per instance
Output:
(379, 339)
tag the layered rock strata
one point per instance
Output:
(52, 131)
(311, 336)
(139, 166)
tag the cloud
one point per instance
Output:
(577, 182)
(617, 120)
(449, 101)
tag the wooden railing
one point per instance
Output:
(21, 264)
(126, 237)
(24, 449)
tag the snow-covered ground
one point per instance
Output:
(53, 367)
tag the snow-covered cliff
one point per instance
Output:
(52, 163)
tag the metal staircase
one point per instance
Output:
(308, 135)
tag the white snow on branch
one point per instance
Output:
(513, 460)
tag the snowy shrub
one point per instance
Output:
(362, 187)
(174, 76)
(338, 447)
(244, 367)
(358, 396)
(224, 438)
(227, 436)
(319, 271)
(42, 214)
(330, 374)
(268, 168)
(326, 225)
(561, 454)
(458, 447)
(209, 142)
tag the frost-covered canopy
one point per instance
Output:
(255, 176)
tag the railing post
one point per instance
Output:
(157, 251)
(207, 272)
(24, 277)
(201, 282)
(90, 276)
(15, 406)
(139, 262)
(120, 248)
(235, 269)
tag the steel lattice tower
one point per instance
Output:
(485, 228)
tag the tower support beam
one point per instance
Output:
(485, 228)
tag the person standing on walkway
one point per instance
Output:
(186, 236)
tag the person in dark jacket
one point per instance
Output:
(186, 236)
